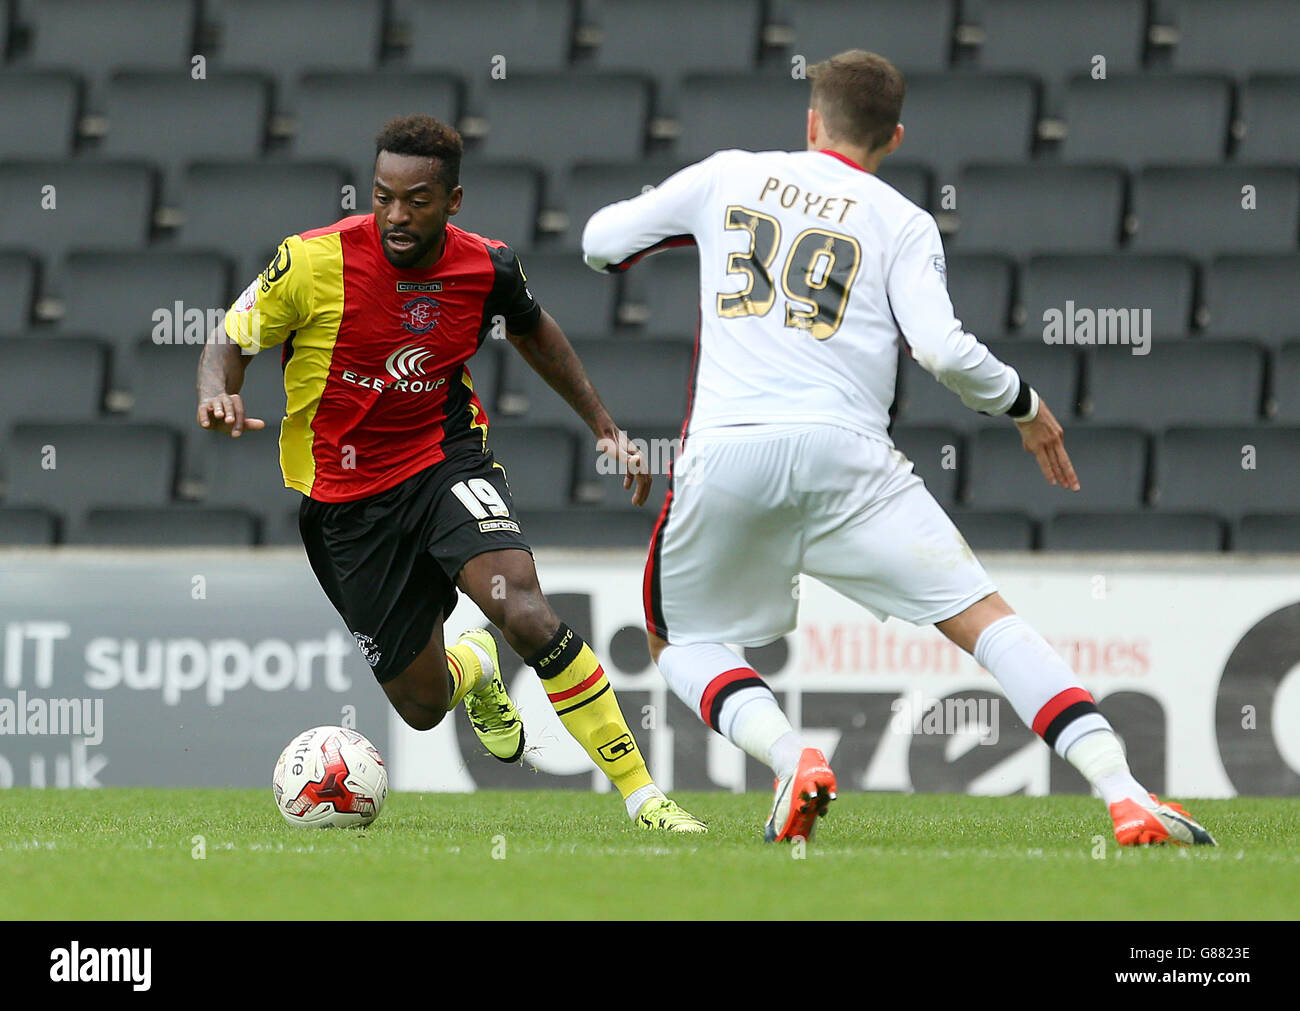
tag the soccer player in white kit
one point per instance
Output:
(811, 269)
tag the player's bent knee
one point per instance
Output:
(421, 694)
(964, 629)
(419, 717)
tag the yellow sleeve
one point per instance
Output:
(277, 303)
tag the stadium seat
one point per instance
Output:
(1286, 384)
(915, 35)
(1052, 371)
(1192, 382)
(38, 114)
(642, 382)
(580, 299)
(1199, 211)
(127, 296)
(27, 527)
(1268, 112)
(1252, 296)
(1111, 464)
(162, 381)
(1258, 532)
(648, 39)
(338, 115)
(246, 209)
(501, 202)
(913, 181)
(50, 206)
(539, 461)
(170, 119)
(1229, 470)
(1133, 531)
(1147, 120)
(1054, 39)
(448, 35)
(168, 527)
(1162, 284)
(951, 120)
(591, 186)
(670, 282)
(1241, 37)
(1018, 210)
(937, 456)
(47, 380)
(69, 468)
(748, 111)
(588, 527)
(995, 531)
(245, 473)
(585, 117)
(980, 289)
(17, 292)
(325, 34)
(94, 37)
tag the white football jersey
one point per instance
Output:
(810, 270)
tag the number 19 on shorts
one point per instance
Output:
(480, 498)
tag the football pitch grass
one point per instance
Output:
(226, 854)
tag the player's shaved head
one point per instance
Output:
(859, 97)
(424, 137)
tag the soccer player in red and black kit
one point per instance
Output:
(378, 315)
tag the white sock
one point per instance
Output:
(731, 698)
(1100, 757)
(485, 661)
(1040, 686)
(785, 754)
(752, 720)
(637, 798)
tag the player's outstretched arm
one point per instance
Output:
(221, 377)
(1044, 437)
(552, 357)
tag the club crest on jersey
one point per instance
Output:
(421, 314)
(407, 361)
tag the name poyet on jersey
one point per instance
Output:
(811, 271)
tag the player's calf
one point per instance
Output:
(421, 693)
(504, 586)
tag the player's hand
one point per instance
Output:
(632, 464)
(225, 413)
(1045, 438)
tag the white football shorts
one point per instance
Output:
(753, 506)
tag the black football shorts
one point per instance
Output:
(389, 562)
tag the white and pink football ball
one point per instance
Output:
(330, 777)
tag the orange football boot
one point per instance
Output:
(801, 798)
(1136, 825)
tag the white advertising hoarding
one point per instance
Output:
(1195, 661)
(172, 668)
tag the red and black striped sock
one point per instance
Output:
(1040, 686)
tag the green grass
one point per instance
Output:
(127, 854)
